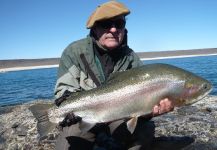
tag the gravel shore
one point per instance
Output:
(196, 123)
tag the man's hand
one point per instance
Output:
(69, 120)
(164, 106)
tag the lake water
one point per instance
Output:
(23, 86)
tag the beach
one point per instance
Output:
(27, 64)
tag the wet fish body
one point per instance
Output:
(130, 94)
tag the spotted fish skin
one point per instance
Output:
(131, 94)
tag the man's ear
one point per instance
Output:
(125, 36)
(93, 33)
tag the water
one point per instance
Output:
(24, 86)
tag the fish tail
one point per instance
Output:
(44, 126)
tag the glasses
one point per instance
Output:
(107, 24)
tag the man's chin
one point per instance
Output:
(112, 45)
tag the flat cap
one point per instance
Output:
(106, 11)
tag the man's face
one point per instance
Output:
(110, 33)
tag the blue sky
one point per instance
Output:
(43, 28)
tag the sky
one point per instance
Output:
(31, 29)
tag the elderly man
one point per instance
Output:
(86, 64)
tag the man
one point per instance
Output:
(88, 63)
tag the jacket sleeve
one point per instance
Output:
(68, 75)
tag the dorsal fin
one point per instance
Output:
(114, 77)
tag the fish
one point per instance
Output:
(126, 95)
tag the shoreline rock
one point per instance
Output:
(197, 122)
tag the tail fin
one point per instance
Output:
(44, 126)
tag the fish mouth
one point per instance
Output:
(205, 94)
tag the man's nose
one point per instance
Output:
(113, 28)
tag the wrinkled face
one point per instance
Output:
(110, 33)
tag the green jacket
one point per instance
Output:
(73, 74)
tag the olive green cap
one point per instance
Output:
(106, 11)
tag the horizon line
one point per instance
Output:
(3, 70)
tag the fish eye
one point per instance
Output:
(205, 86)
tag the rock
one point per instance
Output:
(2, 140)
(171, 143)
(4, 110)
(18, 130)
(192, 121)
(21, 131)
(15, 125)
(3, 144)
(208, 109)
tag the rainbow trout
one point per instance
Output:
(126, 95)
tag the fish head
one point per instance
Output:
(194, 89)
(183, 87)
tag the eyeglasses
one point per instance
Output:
(107, 24)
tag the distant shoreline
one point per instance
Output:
(27, 68)
(28, 64)
(183, 56)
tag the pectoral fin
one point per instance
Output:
(131, 124)
(86, 126)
